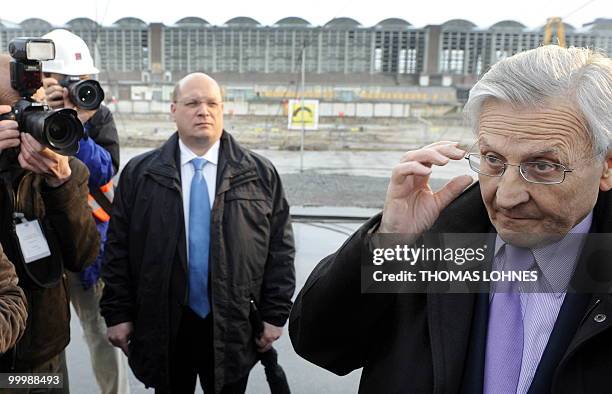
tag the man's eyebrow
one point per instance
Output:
(201, 98)
(482, 143)
(559, 154)
(545, 151)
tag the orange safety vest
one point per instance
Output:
(96, 209)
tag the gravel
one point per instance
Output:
(310, 188)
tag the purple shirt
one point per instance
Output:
(555, 264)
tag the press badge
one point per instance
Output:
(32, 241)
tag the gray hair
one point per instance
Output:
(535, 77)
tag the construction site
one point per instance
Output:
(333, 106)
(390, 86)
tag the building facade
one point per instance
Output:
(342, 59)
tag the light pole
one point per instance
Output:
(302, 109)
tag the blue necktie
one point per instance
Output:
(199, 241)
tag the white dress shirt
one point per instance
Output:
(187, 171)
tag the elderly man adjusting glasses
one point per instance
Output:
(543, 125)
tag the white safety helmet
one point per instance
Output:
(72, 56)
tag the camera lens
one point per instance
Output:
(87, 94)
(59, 130)
(62, 131)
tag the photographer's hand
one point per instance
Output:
(9, 131)
(54, 93)
(40, 160)
(411, 207)
(58, 97)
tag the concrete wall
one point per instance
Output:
(333, 109)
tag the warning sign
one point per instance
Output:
(306, 114)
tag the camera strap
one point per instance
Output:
(33, 243)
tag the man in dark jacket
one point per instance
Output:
(543, 120)
(40, 187)
(199, 227)
(99, 151)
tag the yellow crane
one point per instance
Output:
(557, 24)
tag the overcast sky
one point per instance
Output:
(419, 13)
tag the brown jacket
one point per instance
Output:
(64, 213)
(13, 313)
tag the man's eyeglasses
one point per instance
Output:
(542, 172)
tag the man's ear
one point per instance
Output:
(172, 109)
(605, 183)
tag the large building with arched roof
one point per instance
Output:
(338, 56)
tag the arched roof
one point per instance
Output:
(130, 21)
(393, 22)
(600, 24)
(192, 20)
(458, 24)
(508, 24)
(292, 21)
(35, 23)
(342, 22)
(10, 25)
(82, 22)
(242, 21)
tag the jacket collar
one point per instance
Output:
(165, 169)
(449, 330)
(235, 164)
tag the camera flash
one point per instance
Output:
(40, 50)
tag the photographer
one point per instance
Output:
(47, 192)
(99, 150)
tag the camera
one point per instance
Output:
(86, 94)
(59, 130)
